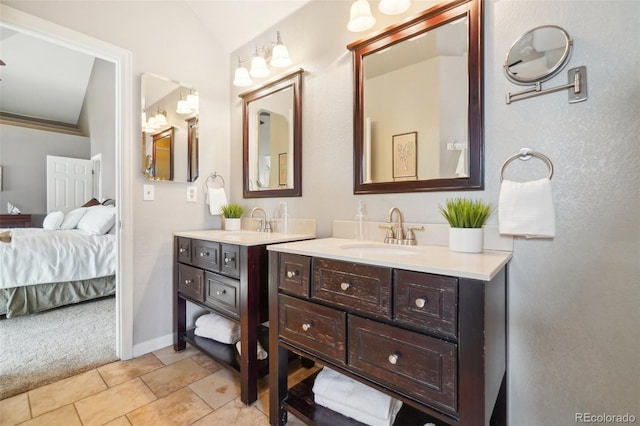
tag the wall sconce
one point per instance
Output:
(361, 19)
(154, 122)
(183, 107)
(190, 105)
(277, 54)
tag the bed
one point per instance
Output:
(43, 268)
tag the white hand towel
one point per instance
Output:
(526, 208)
(262, 354)
(362, 416)
(461, 167)
(220, 329)
(333, 388)
(216, 198)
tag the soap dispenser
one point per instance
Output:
(361, 218)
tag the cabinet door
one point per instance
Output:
(183, 250)
(294, 274)
(190, 282)
(222, 294)
(230, 264)
(410, 363)
(205, 254)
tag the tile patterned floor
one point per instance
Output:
(163, 388)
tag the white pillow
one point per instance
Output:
(53, 220)
(72, 218)
(98, 219)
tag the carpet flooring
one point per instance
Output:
(49, 346)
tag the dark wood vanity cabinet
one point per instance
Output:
(435, 342)
(231, 281)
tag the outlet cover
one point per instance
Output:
(192, 193)
(148, 193)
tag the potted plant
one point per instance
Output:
(232, 213)
(466, 218)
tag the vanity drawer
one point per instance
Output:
(313, 327)
(223, 294)
(205, 254)
(190, 282)
(230, 264)
(353, 286)
(183, 249)
(294, 274)
(412, 364)
(425, 301)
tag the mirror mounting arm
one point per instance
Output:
(577, 81)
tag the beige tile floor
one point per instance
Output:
(161, 388)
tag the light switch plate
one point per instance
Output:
(192, 193)
(148, 193)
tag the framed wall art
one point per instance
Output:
(405, 157)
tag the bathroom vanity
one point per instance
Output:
(225, 272)
(423, 324)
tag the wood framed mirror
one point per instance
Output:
(272, 138)
(418, 119)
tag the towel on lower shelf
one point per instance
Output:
(354, 399)
(262, 354)
(526, 208)
(220, 329)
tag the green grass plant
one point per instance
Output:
(232, 210)
(466, 213)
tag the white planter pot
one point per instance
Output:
(232, 224)
(466, 240)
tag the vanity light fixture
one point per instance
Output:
(360, 18)
(193, 101)
(393, 7)
(161, 118)
(276, 54)
(183, 106)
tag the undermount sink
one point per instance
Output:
(387, 249)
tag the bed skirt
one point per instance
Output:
(36, 298)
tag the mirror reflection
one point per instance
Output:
(272, 138)
(418, 103)
(538, 55)
(169, 129)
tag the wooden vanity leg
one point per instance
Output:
(278, 356)
(249, 321)
(179, 312)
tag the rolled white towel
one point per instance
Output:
(360, 415)
(218, 328)
(333, 387)
(262, 354)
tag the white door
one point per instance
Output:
(69, 182)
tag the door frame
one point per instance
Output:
(124, 137)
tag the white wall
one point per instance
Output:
(167, 39)
(573, 308)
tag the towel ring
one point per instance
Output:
(525, 154)
(211, 178)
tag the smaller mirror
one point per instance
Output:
(538, 55)
(272, 138)
(169, 129)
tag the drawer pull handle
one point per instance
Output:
(182, 249)
(221, 292)
(228, 259)
(420, 302)
(187, 282)
(291, 274)
(202, 253)
(345, 286)
(306, 326)
(393, 359)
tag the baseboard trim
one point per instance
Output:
(152, 345)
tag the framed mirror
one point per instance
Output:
(272, 138)
(418, 103)
(169, 133)
(538, 55)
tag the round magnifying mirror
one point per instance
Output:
(538, 55)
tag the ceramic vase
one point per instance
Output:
(232, 224)
(466, 240)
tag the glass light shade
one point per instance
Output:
(193, 101)
(183, 108)
(393, 7)
(361, 18)
(280, 56)
(259, 67)
(161, 119)
(151, 125)
(241, 78)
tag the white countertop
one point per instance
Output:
(243, 237)
(432, 259)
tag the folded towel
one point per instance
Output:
(461, 167)
(216, 198)
(360, 415)
(262, 354)
(526, 208)
(353, 399)
(220, 329)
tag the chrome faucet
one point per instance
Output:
(396, 234)
(264, 225)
